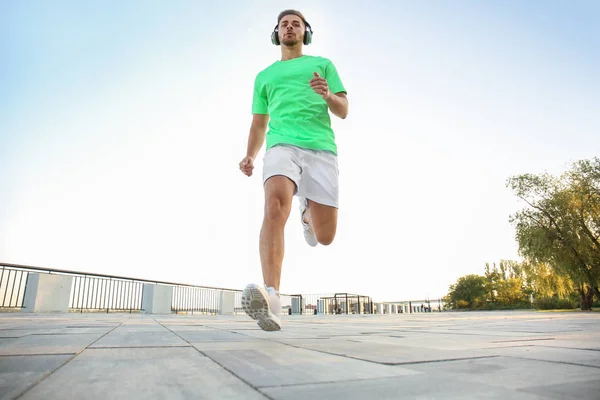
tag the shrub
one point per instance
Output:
(553, 303)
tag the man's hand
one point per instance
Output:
(337, 103)
(247, 165)
(319, 85)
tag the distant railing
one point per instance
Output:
(202, 300)
(92, 292)
(327, 303)
(12, 287)
(97, 292)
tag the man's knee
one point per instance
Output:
(325, 233)
(276, 209)
(324, 222)
(279, 191)
(325, 237)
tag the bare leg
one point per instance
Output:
(279, 191)
(323, 221)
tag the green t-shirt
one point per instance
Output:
(297, 115)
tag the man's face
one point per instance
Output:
(291, 30)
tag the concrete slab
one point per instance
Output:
(513, 374)
(388, 353)
(139, 339)
(212, 335)
(16, 333)
(137, 328)
(149, 373)
(492, 378)
(589, 358)
(285, 365)
(413, 387)
(47, 344)
(17, 373)
(517, 355)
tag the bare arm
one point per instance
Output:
(258, 131)
(338, 104)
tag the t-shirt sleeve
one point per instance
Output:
(260, 103)
(333, 79)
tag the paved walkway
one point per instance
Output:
(492, 355)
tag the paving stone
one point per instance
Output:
(284, 365)
(514, 374)
(403, 387)
(139, 339)
(517, 355)
(130, 328)
(574, 356)
(568, 390)
(252, 344)
(286, 333)
(47, 344)
(17, 373)
(129, 374)
(211, 335)
(390, 352)
(492, 378)
(16, 333)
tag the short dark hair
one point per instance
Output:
(291, 12)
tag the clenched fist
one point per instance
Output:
(319, 85)
(247, 165)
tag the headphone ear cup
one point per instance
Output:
(307, 36)
(275, 37)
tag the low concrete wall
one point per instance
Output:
(227, 303)
(157, 299)
(47, 293)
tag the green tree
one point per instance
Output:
(510, 292)
(492, 280)
(468, 292)
(545, 282)
(506, 283)
(561, 224)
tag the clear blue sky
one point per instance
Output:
(122, 125)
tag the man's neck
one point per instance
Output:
(288, 53)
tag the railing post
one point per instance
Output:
(47, 293)
(157, 299)
(226, 302)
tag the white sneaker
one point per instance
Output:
(262, 307)
(309, 235)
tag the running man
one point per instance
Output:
(292, 100)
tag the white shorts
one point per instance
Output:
(315, 173)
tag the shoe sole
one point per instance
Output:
(256, 305)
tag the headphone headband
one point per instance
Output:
(308, 32)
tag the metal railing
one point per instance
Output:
(424, 305)
(91, 292)
(202, 300)
(326, 303)
(12, 287)
(98, 292)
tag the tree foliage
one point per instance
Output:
(468, 292)
(543, 281)
(560, 226)
(509, 284)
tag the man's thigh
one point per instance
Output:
(282, 161)
(320, 183)
(323, 218)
